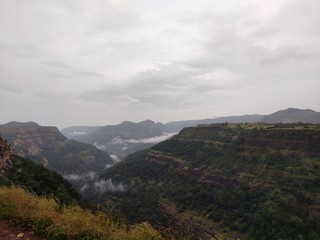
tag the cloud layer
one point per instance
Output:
(104, 61)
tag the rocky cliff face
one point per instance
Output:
(5, 153)
(47, 146)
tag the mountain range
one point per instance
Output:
(128, 137)
(122, 139)
(240, 177)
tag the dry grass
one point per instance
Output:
(54, 221)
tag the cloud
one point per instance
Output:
(115, 158)
(55, 64)
(124, 99)
(12, 89)
(153, 139)
(156, 139)
(110, 61)
(78, 133)
(21, 50)
(108, 186)
(160, 87)
(90, 180)
(79, 177)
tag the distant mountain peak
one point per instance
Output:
(126, 123)
(294, 110)
(148, 121)
(21, 124)
(293, 115)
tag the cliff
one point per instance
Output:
(47, 146)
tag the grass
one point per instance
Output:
(51, 220)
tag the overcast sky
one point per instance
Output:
(99, 62)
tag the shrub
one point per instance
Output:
(48, 218)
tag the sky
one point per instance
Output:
(101, 62)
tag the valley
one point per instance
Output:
(160, 120)
(236, 180)
(252, 181)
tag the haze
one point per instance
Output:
(99, 62)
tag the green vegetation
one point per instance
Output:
(39, 180)
(254, 181)
(54, 221)
(37, 199)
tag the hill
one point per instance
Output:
(177, 126)
(122, 139)
(239, 181)
(15, 170)
(47, 146)
(293, 115)
(40, 201)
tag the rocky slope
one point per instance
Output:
(5, 153)
(47, 146)
(239, 181)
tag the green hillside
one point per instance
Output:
(247, 181)
(34, 198)
(19, 171)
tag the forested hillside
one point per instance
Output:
(34, 198)
(19, 171)
(251, 181)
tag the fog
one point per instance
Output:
(90, 181)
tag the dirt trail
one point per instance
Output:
(8, 232)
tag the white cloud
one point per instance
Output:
(153, 139)
(99, 146)
(115, 158)
(78, 133)
(156, 139)
(79, 177)
(108, 186)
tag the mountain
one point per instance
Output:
(41, 202)
(122, 139)
(177, 126)
(125, 138)
(47, 146)
(224, 181)
(293, 115)
(290, 115)
(16, 170)
(128, 137)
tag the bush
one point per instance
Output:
(46, 217)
